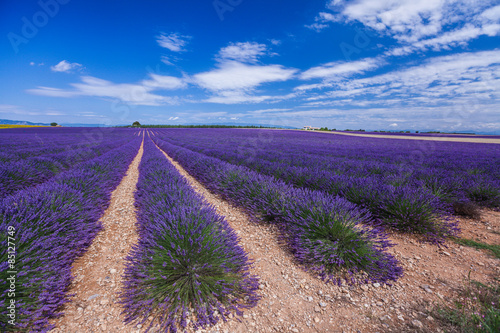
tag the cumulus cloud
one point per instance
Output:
(174, 41)
(418, 25)
(65, 66)
(341, 69)
(234, 75)
(242, 52)
(322, 21)
(232, 82)
(164, 82)
(462, 80)
(130, 93)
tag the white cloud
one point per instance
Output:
(52, 92)
(166, 60)
(14, 109)
(18, 110)
(234, 82)
(174, 41)
(408, 20)
(233, 75)
(316, 26)
(235, 97)
(459, 80)
(239, 97)
(322, 21)
(491, 14)
(133, 94)
(453, 38)
(326, 17)
(164, 82)
(341, 69)
(393, 125)
(442, 118)
(418, 24)
(242, 52)
(65, 66)
(32, 63)
(263, 111)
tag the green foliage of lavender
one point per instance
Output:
(54, 223)
(429, 178)
(34, 157)
(188, 264)
(324, 232)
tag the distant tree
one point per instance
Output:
(416, 131)
(53, 124)
(136, 124)
(324, 129)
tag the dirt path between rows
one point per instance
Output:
(296, 301)
(427, 138)
(292, 299)
(98, 273)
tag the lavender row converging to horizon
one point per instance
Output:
(324, 232)
(408, 185)
(188, 264)
(54, 223)
(32, 157)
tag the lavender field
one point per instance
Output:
(406, 185)
(335, 201)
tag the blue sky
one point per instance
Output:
(386, 64)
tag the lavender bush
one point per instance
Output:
(324, 232)
(54, 223)
(30, 162)
(364, 170)
(187, 266)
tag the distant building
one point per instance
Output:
(310, 128)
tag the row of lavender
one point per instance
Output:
(376, 174)
(325, 233)
(50, 225)
(26, 161)
(396, 161)
(407, 156)
(20, 143)
(187, 265)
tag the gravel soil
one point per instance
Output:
(292, 300)
(296, 301)
(98, 273)
(428, 138)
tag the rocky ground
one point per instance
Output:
(98, 273)
(292, 299)
(422, 138)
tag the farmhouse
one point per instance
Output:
(310, 128)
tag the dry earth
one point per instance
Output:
(292, 299)
(295, 301)
(98, 273)
(426, 138)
